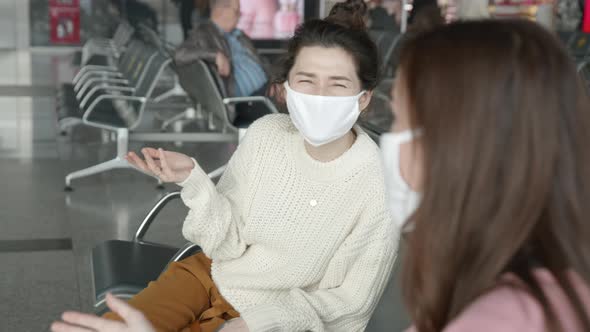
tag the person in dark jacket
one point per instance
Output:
(219, 42)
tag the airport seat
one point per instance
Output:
(119, 109)
(204, 85)
(124, 268)
(105, 51)
(129, 72)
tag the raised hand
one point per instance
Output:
(134, 320)
(168, 166)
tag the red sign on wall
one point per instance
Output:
(64, 21)
(586, 23)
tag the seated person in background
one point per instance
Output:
(218, 41)
(488, 165)
(425, 15)
(296, 236)
(379, 18)
(136, 13)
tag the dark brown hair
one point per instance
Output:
(345, 28)
(506, 187)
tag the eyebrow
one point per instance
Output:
(302, 73)
(333, 78)
(340, 78)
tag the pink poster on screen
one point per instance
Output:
(270, 19)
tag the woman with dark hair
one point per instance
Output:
(488, 170)
(296, 236)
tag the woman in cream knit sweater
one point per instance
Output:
(296, 235)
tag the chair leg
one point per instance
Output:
(118, 162)
(67, 123)
(190, 114)
(100, 168)
(175, 118)
(176, 90)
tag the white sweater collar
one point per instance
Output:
(348, 163)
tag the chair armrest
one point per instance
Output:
(153, 213)
(99, 81)
(258, 99)
(104, 87)
(99, 41)
(187, 250)
(90, 74)
(93, 68)
(99, 99)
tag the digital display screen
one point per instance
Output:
(270, 19)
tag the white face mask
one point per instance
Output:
(403, 201)
(322, 119)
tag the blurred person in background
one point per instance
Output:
(219, 42)
(189, 11)
(424, 15)
(379, 18)
(394, 9)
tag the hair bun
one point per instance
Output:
(350, 14)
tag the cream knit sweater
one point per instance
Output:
(296, 244)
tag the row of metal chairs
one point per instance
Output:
(112, 98)
(116, 98)
(105, 50)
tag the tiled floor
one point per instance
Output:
(37, 285)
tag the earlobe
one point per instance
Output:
(364, 100)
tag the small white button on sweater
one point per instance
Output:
(296, 244)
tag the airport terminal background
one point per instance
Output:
(47, 234)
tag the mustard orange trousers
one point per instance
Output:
(184, 298)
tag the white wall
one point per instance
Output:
(14, 24)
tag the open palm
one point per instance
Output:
(134, 320)
(168, 166)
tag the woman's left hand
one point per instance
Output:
(135, 321)
(234, 325)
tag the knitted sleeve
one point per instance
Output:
(350, 289)
(216, 215)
